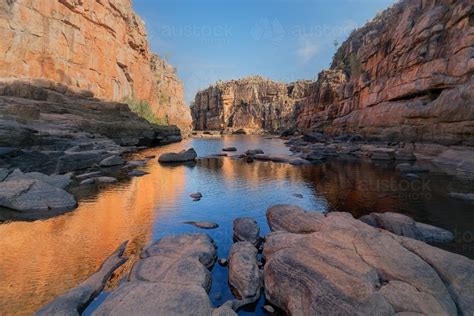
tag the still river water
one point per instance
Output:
(42, 259)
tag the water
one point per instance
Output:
(41, 260)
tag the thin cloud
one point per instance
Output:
(307, 51)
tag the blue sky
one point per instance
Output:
(284, 40)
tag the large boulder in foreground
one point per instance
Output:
(347, 267)
(403, 225)
(29, 195)
(172, 278)
(182, 156)
(244, 275)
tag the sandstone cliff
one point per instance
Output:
(406, 75)
(100, 46)
(252, 104)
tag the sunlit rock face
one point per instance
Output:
(100, 46)
(253, 105)
(406, 75)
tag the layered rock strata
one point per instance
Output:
(251, 105)
(99, 46)
(49, 128)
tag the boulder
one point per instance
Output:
(182, 156)
(202, 224)
(3, 173)
(253, 152)
(246, 229)
(408, 168)
(462, 196)
(403, 225)
(112, 161)
(137, 173)
(244, 275)
(299, 162)
(29, 195)
(346, 267)
(59, 181)
(172, 277)
(294, 219)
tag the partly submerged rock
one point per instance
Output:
(244, 275)
(137, 173)
(403, 225)
(229, 149)
(346, 267)
(112, 161)
(182, 156)
(29, 195)
(202, 224)
(246, 229)
(253, 152)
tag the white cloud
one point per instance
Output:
(307, 51)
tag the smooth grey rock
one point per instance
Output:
(246, 229)
(182, 156)
(202, 224)
(3, 173)
(299, 162)
(59, 181)
(89, 181)
(136, 163)
(253, 152)
(28, 195)
(89, 175)
(112, 161)
(137, 173)
(244, 275)
(77, 299)
(105, 180)
(72, 161)
(408, 168)
(403, 225)
(462, 196)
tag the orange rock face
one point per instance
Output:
(252, 104)
(406, 75)
(100, 46)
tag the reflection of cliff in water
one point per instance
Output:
(55, 255)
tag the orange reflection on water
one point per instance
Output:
(43, 259)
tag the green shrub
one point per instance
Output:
(143, 109)
(354, 63)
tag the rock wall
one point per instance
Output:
(407, 75)
(100, 46)
(252, 104)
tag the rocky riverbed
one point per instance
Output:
(313, 264)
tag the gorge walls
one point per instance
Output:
(252, 104)
(405, 76)
(100, 46)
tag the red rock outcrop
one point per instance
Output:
(252, 104)
(100, 46)
(406, 75)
